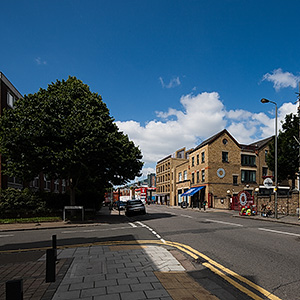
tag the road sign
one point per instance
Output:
(268, 183)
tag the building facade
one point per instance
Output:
(8, 96)
(166, 176)
(216, 171)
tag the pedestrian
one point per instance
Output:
(204, 204)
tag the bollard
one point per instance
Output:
(54, 246)
(50, 265)
(14, 289)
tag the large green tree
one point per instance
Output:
(66, 131)
(287, 150)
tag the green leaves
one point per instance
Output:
(66, 131)
(288, 149)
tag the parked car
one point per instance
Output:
(119, 205)
(135, 207)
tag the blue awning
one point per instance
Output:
(192, 191)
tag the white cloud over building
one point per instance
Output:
(201, 116)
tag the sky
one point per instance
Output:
(172, 72)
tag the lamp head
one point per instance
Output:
(264, 100)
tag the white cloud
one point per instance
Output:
(201, 116)
(173, 83)
(39, 61)
(282, 79)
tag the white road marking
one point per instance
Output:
(280, 232)
(151, 230)
(131, 224)
(170, 213)
(140, 223)
(93, 230)
(225, 223)
(5, 235)
(186, 216)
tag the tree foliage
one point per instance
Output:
(287, 149)
(66, 131)
(16, 203)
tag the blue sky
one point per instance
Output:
(171, 72)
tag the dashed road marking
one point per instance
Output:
(186, 216)
(5, 235)
(225, 223)
(280, 232)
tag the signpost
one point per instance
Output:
(268, 183)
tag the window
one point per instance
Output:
(197, 159)
(224, 156)
(203, 175)
(193, 161)
(248, 160)
(193, 177)
(63, 186)
(266, 154)
(180, 154)
(198, 177)
(185, 175)
(248, 176)
(56, 186)
(180, 176)
(203, 157)
(47, 184)
(234, 179)
(10, 99)
(264, 171)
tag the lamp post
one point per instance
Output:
(263, 100)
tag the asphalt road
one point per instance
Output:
(265, 253)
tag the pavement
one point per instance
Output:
(118, 271)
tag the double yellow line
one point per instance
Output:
(215, 267)
(224, 272)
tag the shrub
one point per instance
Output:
(21, 203)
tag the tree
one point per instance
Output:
(287, 150)
(66, 131)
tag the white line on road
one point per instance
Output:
(93, 230)
(151, 230)
(280, 232)
(226, 223)
(5, 235)
(131, 224)
(140, 223)
(170, 213)
(186, 216)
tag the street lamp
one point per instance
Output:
(263, 100)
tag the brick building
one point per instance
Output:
(166, 176)
(215, 171)
(8, 95)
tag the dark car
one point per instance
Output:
(135, 207)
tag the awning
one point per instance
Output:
(192, 191)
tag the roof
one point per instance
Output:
(214, 137)
(10, 85)
(261, 143)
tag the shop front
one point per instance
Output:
(196, 196)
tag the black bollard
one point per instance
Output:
(50, 265)
(54, 246)
(14, 289)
